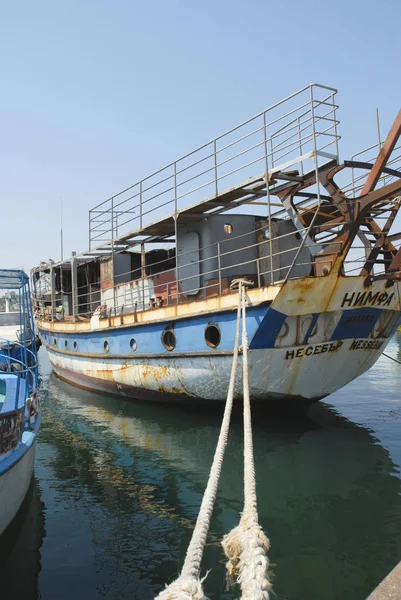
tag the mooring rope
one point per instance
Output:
(188, 586)
(391, 358)
(246, 545)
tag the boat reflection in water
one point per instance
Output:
(132, 475)
(20, 548)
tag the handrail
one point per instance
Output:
(27, 369)
(307, 87)
(106, 219)
(11, 342)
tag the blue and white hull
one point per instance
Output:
(300, 350)
(16, 469)
(19, 402)
(207, 377)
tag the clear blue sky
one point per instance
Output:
(96, 95)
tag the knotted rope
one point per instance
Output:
(188, 586)
(246, 545)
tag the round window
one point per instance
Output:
(106, 346)
(75, 345)
(212, 335)
(168, 339)
(54, 342)
(133, 344)
(66, 344)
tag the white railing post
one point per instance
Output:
(219, 266)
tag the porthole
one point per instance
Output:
(54, 342)
(212, 335)
(66, 344)
(106, 346)
(75, 345)
(168, 339)
(133, 344)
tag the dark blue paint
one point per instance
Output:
(190, 335)
(268, 330)
(315, 317)
(353, 324)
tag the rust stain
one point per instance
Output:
(294, 372)
(154, 373)
(190, 308)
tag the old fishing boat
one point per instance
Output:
(19, 403)
(149, 310)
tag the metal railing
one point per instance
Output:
(296, 131)
(292, 251)
(293, 257)
(354, 187)
(24, 370)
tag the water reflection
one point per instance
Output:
(20, 549)
(124, 482)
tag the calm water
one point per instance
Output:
(118, 485)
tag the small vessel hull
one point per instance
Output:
(14, 482)
(19, 402)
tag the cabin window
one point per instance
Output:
(54, 342)
(75, 345)
(212, 335)
(168, 339)
(228, 228)
(133, 344)
(106, 346)
(66, 344)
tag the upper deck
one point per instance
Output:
(280, 164)
(242, 166)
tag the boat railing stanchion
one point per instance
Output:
(300, 145)
(216, 185)
(219, 266)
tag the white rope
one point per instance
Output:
(188, 586)
(246, 545)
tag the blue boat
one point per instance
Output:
(19, 402)
(149, 310)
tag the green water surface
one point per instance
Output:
(118, 485)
